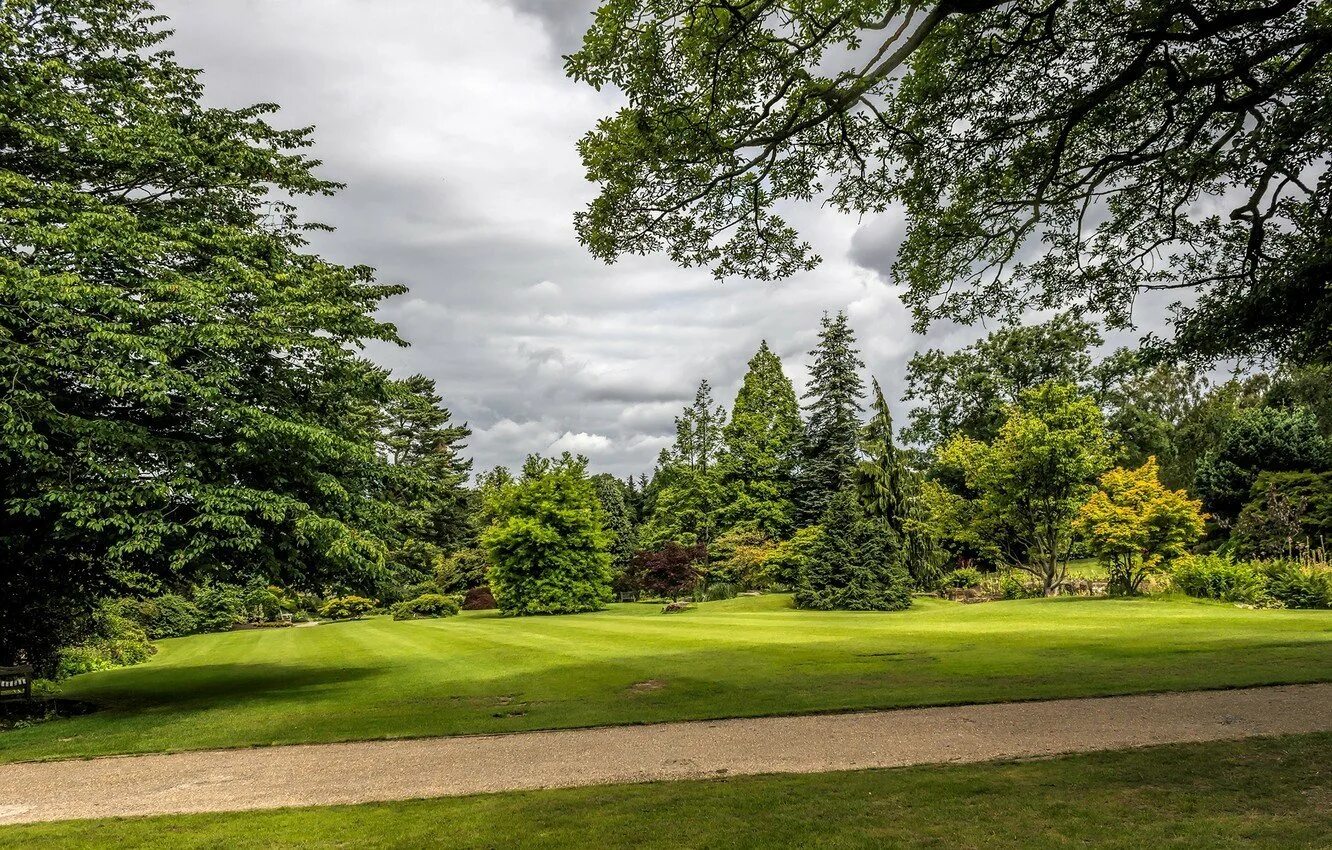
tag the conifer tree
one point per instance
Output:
(832, 428)
(887, 491)
(761, 442)
(687, 489)
(856, 564)
(618, 520)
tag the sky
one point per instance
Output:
(453, 125)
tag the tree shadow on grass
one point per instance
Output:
(208, 685)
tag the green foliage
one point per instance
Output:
(741, 558)
(114, 641)
(166, 616)
(462, 571)
(789, 557)
(889, 491)
(1297, 585)
(220, 606)
(1258, 440)
(1219, 577)
(427, 605)
(968, 391)
(346, 607)
(687, 490)
(1073, 181)
(184, 390)
(618, 519)
(1287, 512)
(548, 551)
(761, 449)
(1136, 526)
(1029, 483)
(961, 578)
(856, 565)
(832, 428)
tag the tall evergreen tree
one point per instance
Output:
(887, 489)
(762, 440)
(856, 564)
(618, 520)
(687, 485)
(832, 427)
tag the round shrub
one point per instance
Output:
(962, 577)
(346, 607)
(424, 606)
(221, 606)
(479, 599)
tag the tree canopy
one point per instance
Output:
(1046, 152)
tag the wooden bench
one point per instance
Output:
(15, 683)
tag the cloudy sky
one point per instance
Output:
(453, 126)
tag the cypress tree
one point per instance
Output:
(832, 430)
(761, 444)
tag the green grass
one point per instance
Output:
(749, 656)
(1274, 792)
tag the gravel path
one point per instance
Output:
(321, 774)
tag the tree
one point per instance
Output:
(1288, 513)
(761, 445)
(1031, 479)
(548, 551)
(888, 492)
(611, 493)
(855, 564)
(1257, 440)
(1136, 526)
(1078, 178)
(967, 391)
(183, 395)
(687, 493)
(671, 571)
(832, 427)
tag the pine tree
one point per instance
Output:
(832, 429)
(762, 440)
(618, 520)
(856, 563)
(887, 491)
(686, 485)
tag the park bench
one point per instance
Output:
(15, 683)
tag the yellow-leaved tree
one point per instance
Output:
(1136, 525)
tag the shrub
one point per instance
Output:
(789, 557)
(424, 606)
(671, 571)
(1218, 577)
(117, 641)
(715, 591)
(479, 599)
(1013, 586)
(962, 577)
(346, 607)
(740, 557)
(1297, 585)
(166, 616)
(221, 606)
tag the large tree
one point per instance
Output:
(1029, 482)
(182, 391)
(547, 547)
(832, 427)
(1046, 152)
(687, 493)
(761, 446)
(855, 563)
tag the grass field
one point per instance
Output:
(744, 657)
(1274, 792)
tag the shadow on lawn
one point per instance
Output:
(208, 685)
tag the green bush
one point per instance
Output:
(963, 577)
(221, 606)
(117, 641)
(166, 616)
(715, 591)
(1297, 585)
(425, 605)
(1013, 586)
(346, 607)
(1218, 577)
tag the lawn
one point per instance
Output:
(1274, 792)
(750, 656)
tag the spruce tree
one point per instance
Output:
(887, 490)
(762, 441)
(832, 429)
(618, 520)
(856, 563)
